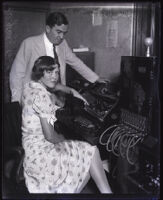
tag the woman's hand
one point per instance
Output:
(102, 80)
(72, 91)
(57, 100)
(78, 95)
(61, 138)
(50, 133)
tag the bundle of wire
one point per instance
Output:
(121, 140)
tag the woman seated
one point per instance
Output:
(53, 164)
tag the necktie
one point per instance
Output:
(55, 54)
(57, 61)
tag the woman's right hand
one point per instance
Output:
(78, 95)
(69, 90)
(60, 138)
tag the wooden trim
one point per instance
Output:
(26, 8)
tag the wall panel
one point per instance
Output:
(18, 24)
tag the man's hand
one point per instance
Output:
(103, 80)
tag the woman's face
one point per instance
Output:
(50, 77)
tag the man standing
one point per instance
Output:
(50, 43)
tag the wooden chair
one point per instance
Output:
(13, 153)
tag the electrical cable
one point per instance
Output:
(113, 136)
(123, 145)
(130, 146)
(110, 138)
(122, 139)
(117, 139)
(102, 135)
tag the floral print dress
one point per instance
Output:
(48, 167)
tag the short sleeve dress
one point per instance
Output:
(48, 167)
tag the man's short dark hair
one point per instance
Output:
(43, 63)
(56, 18)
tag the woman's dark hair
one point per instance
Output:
(43, 63)
(56, 18)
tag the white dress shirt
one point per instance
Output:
(49, 47)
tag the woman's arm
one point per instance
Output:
(50, 134)
(63, 88)
(69, 90)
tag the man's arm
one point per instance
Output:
(79, 66)
(17, 72)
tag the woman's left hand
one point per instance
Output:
(58, 100)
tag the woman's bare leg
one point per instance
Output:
(98, 174)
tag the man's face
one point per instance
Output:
(56, 33)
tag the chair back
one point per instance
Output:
(12, 125)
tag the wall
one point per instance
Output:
(19, 21)
(82, 32)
